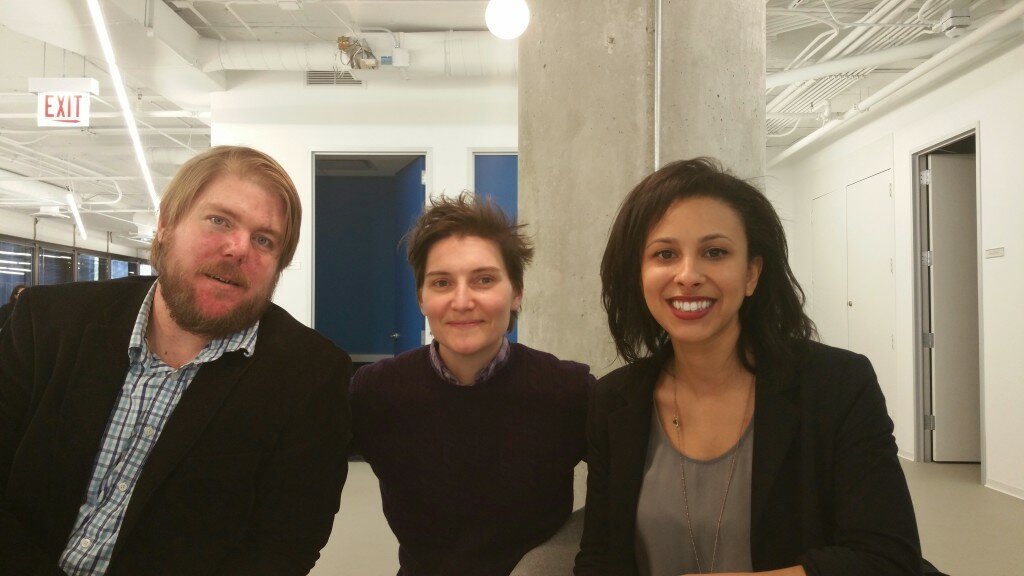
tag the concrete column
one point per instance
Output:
(712, 83)
(587, 120)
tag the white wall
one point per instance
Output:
(276, 113)
(987, 97)
(61, 232)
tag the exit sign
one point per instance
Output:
(62, 109)
(63, 102)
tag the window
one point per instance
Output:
(91, 267)
(122, 268)
(24, 261)
(15, 267)
(55, 267)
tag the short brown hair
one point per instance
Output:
(239, 161)
(468, 215)
(774, 327)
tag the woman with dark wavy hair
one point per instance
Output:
(731, 442)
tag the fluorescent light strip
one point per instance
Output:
(122, 98)
(78, 217)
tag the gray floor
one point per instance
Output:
(966, 529)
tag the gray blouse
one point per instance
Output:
(663, 546)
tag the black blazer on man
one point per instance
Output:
(827, 490)
(244, 479)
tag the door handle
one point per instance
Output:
(393, 335)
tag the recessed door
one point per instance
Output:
(365, 294)
(955, 366)
(828, 281)
(871, 298)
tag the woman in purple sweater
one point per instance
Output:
(473, 439)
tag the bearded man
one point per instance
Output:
(182, 425)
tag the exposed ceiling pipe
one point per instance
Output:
(789, 99)
(976, 37)
(15, 178)
(161, 155)
(32, 190)
(95, 131)
(888, 56)
(65, 166)
(431, 54)
(151, 114)
(870, 60)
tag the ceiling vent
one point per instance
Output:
(50, 212)
(332, 78)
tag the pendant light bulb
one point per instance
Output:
(507, 19)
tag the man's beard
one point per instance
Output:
(179, 295)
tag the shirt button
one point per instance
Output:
(122, 486)
(148, 431)
(85, 543)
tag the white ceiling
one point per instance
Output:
(48, 37)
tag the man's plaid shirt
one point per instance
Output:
(151, 391)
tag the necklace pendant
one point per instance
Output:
(675, 422)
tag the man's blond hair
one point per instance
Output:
(241, 162)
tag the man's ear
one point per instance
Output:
(160, 226)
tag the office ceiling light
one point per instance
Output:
(73, 205)
(122, 98)
(507, 19)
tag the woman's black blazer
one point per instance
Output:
(827, 491)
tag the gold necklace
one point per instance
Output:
(682, 475)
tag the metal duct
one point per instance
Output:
(32, 191)
(285, 56)
(430, 54)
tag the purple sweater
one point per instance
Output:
(473, 477)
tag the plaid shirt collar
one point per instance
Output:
(138, 348)
(496, 363)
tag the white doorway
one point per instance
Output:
(948, 307)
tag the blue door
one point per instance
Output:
(497, 176)
(354, 230)
(365, 295)
(410, 195)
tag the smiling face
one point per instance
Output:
(696, 273)
(221, 259)
(467, 298)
